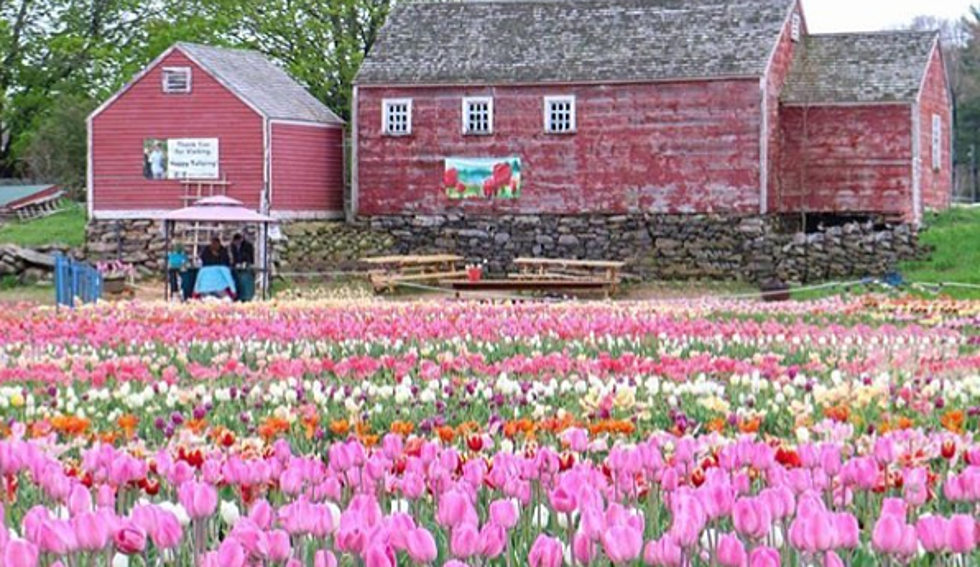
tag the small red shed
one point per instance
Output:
(203, 120)
(865, 126)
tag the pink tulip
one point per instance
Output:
(622, 543)
(764, 557)
(421, 546)
(262, 514)
(455, 509)
(379, 556)
(130, 539)
(504, 513)
(751, 518)
(166, 532)
(91, 531)
(20, 553)
(465, 541)
(198, 498)
(231, 554)
(562, 500)
(279, 545)
(833, 560)
(493, 541)
(324, 558)
(731, 551)
(79, 500)
(663, 553)
(56, 537)
(848, 531)
(887, 535)
(962, 534)
(546, 552)
(583, 549)
(932, 533)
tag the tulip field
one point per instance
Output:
(373, 434)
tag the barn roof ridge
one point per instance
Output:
(551, 41)
(860, 68)
(255, 78)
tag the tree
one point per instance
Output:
(56, 151)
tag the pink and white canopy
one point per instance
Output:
(218, 209)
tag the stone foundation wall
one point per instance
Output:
(714, 247)
(137, 242)
(31, 265)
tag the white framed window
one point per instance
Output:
(937, 142)
(796, 27)
(397, 116)
(478, 115)
(176, 80)
(559, 114)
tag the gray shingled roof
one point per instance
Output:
(527, 41)
(860, 68)
(262, 83)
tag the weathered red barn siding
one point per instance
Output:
(936, 186)
(668, 147)
(847, 159)
(307, 168)
(779, 68)
(144, 111)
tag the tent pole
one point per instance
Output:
(166, 261)
(267, 277)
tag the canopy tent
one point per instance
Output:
(220, 210)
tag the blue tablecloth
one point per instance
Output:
(214, 280)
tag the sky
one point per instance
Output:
(867, 15)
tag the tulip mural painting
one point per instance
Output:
(483, 178)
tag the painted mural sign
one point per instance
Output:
(180, 158)
(483, 178)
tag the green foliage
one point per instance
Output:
(955, 239)
(64, 227)
(59, 58)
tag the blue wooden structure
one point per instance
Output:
(73, 280)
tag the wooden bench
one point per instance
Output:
(529, 285)
(390, 271)
(562, 270)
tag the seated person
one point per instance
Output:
(215, 254)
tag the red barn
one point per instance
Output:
(203, 120)
(645, 106)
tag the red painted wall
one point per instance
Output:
(670, 147)
(936, 185)
(144, 111)
(846, 159)
(307, 168)
(779, 69)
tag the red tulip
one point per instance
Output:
(451, 177)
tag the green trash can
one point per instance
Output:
(245, 282)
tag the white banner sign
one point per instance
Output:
(192, 158)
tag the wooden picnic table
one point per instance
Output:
(581, 271)
(390, 271)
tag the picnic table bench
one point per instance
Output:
(390, 271)
(550, 275)
(604, 273)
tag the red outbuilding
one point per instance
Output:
(201, 121)
(646, 107)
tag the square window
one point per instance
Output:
(397, 117)
(176, 80)
(478, 116)
(559, 114)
